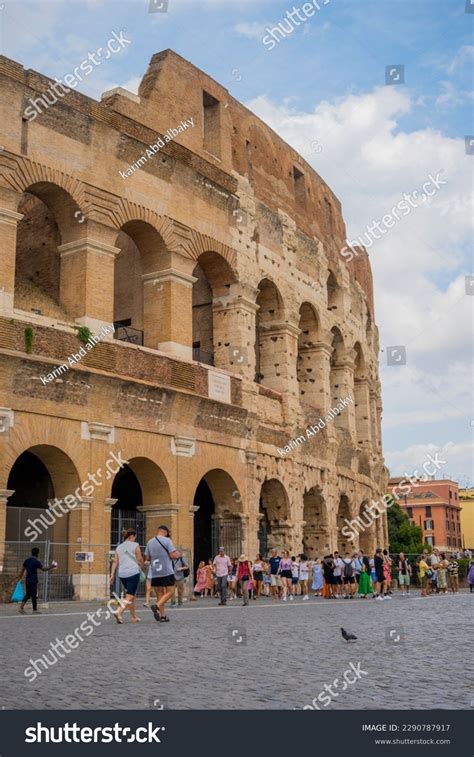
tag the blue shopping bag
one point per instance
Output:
(18, 593)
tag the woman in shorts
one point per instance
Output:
(129, 562)
(295, 577)
(284, 571)
(258, 568)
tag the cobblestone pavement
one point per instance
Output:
(415, 653)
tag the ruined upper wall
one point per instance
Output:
(236, 150)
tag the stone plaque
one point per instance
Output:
(219, 387)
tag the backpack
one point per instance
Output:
(348, 569)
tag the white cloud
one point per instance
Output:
(464, 56)
(251, 29)
(450, 95)
(457, 456)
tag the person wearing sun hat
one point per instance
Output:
(244, 573)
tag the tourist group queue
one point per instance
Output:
(283, 577)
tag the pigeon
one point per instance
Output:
(348, 636)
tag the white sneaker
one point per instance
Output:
(284, 599)
(388, 596)
(291, 597)
(305, 598)
(380, 598)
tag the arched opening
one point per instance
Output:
(137, 293)
(269, 317)
(367, 535)
(334, 294)
(310, 392)
(337, 375)
(39, 514)
(361, 400)
(343, 519)
(316, 530)
(216, 521)
(140, 484)
(274, 513)
(214, 278)
(125, 513)
(49, 217)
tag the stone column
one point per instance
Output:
(362, 412)
(157, 515)
(79, 541)
(87, 281)
(314, 372)
(252, 503)
(342, 385)
(168, 312)
(375, 417)
(9, 220)
(234, 330)
(4, 496)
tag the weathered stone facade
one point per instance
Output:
(223, 246)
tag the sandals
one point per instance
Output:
(158, 616)
(136, 620)
(119, 620)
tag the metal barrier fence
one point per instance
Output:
(83, 571)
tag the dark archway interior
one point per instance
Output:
(203, 523)
(31, 482)
(125, 514)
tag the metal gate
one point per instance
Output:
(227, 532)
(263, 537)
(122, 519)
(126, 519)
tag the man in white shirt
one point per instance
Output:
(222, 564)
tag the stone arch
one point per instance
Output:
(137, 300)
(44, 506)
(177, 237)
(143, 493)
(269, 318)
(22, 174)
(217, 519)
(50, 219)
(214, 277)
(308, 355)
(316, 532)
(274, 515)
(367, 530)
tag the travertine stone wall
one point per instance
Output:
(219, 246)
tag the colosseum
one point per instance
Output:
(178, 331)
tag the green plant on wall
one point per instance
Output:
(84, 333)
(28, 340)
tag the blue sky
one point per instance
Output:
(326, 82)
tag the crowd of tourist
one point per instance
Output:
(279, 576)
(333, 576)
